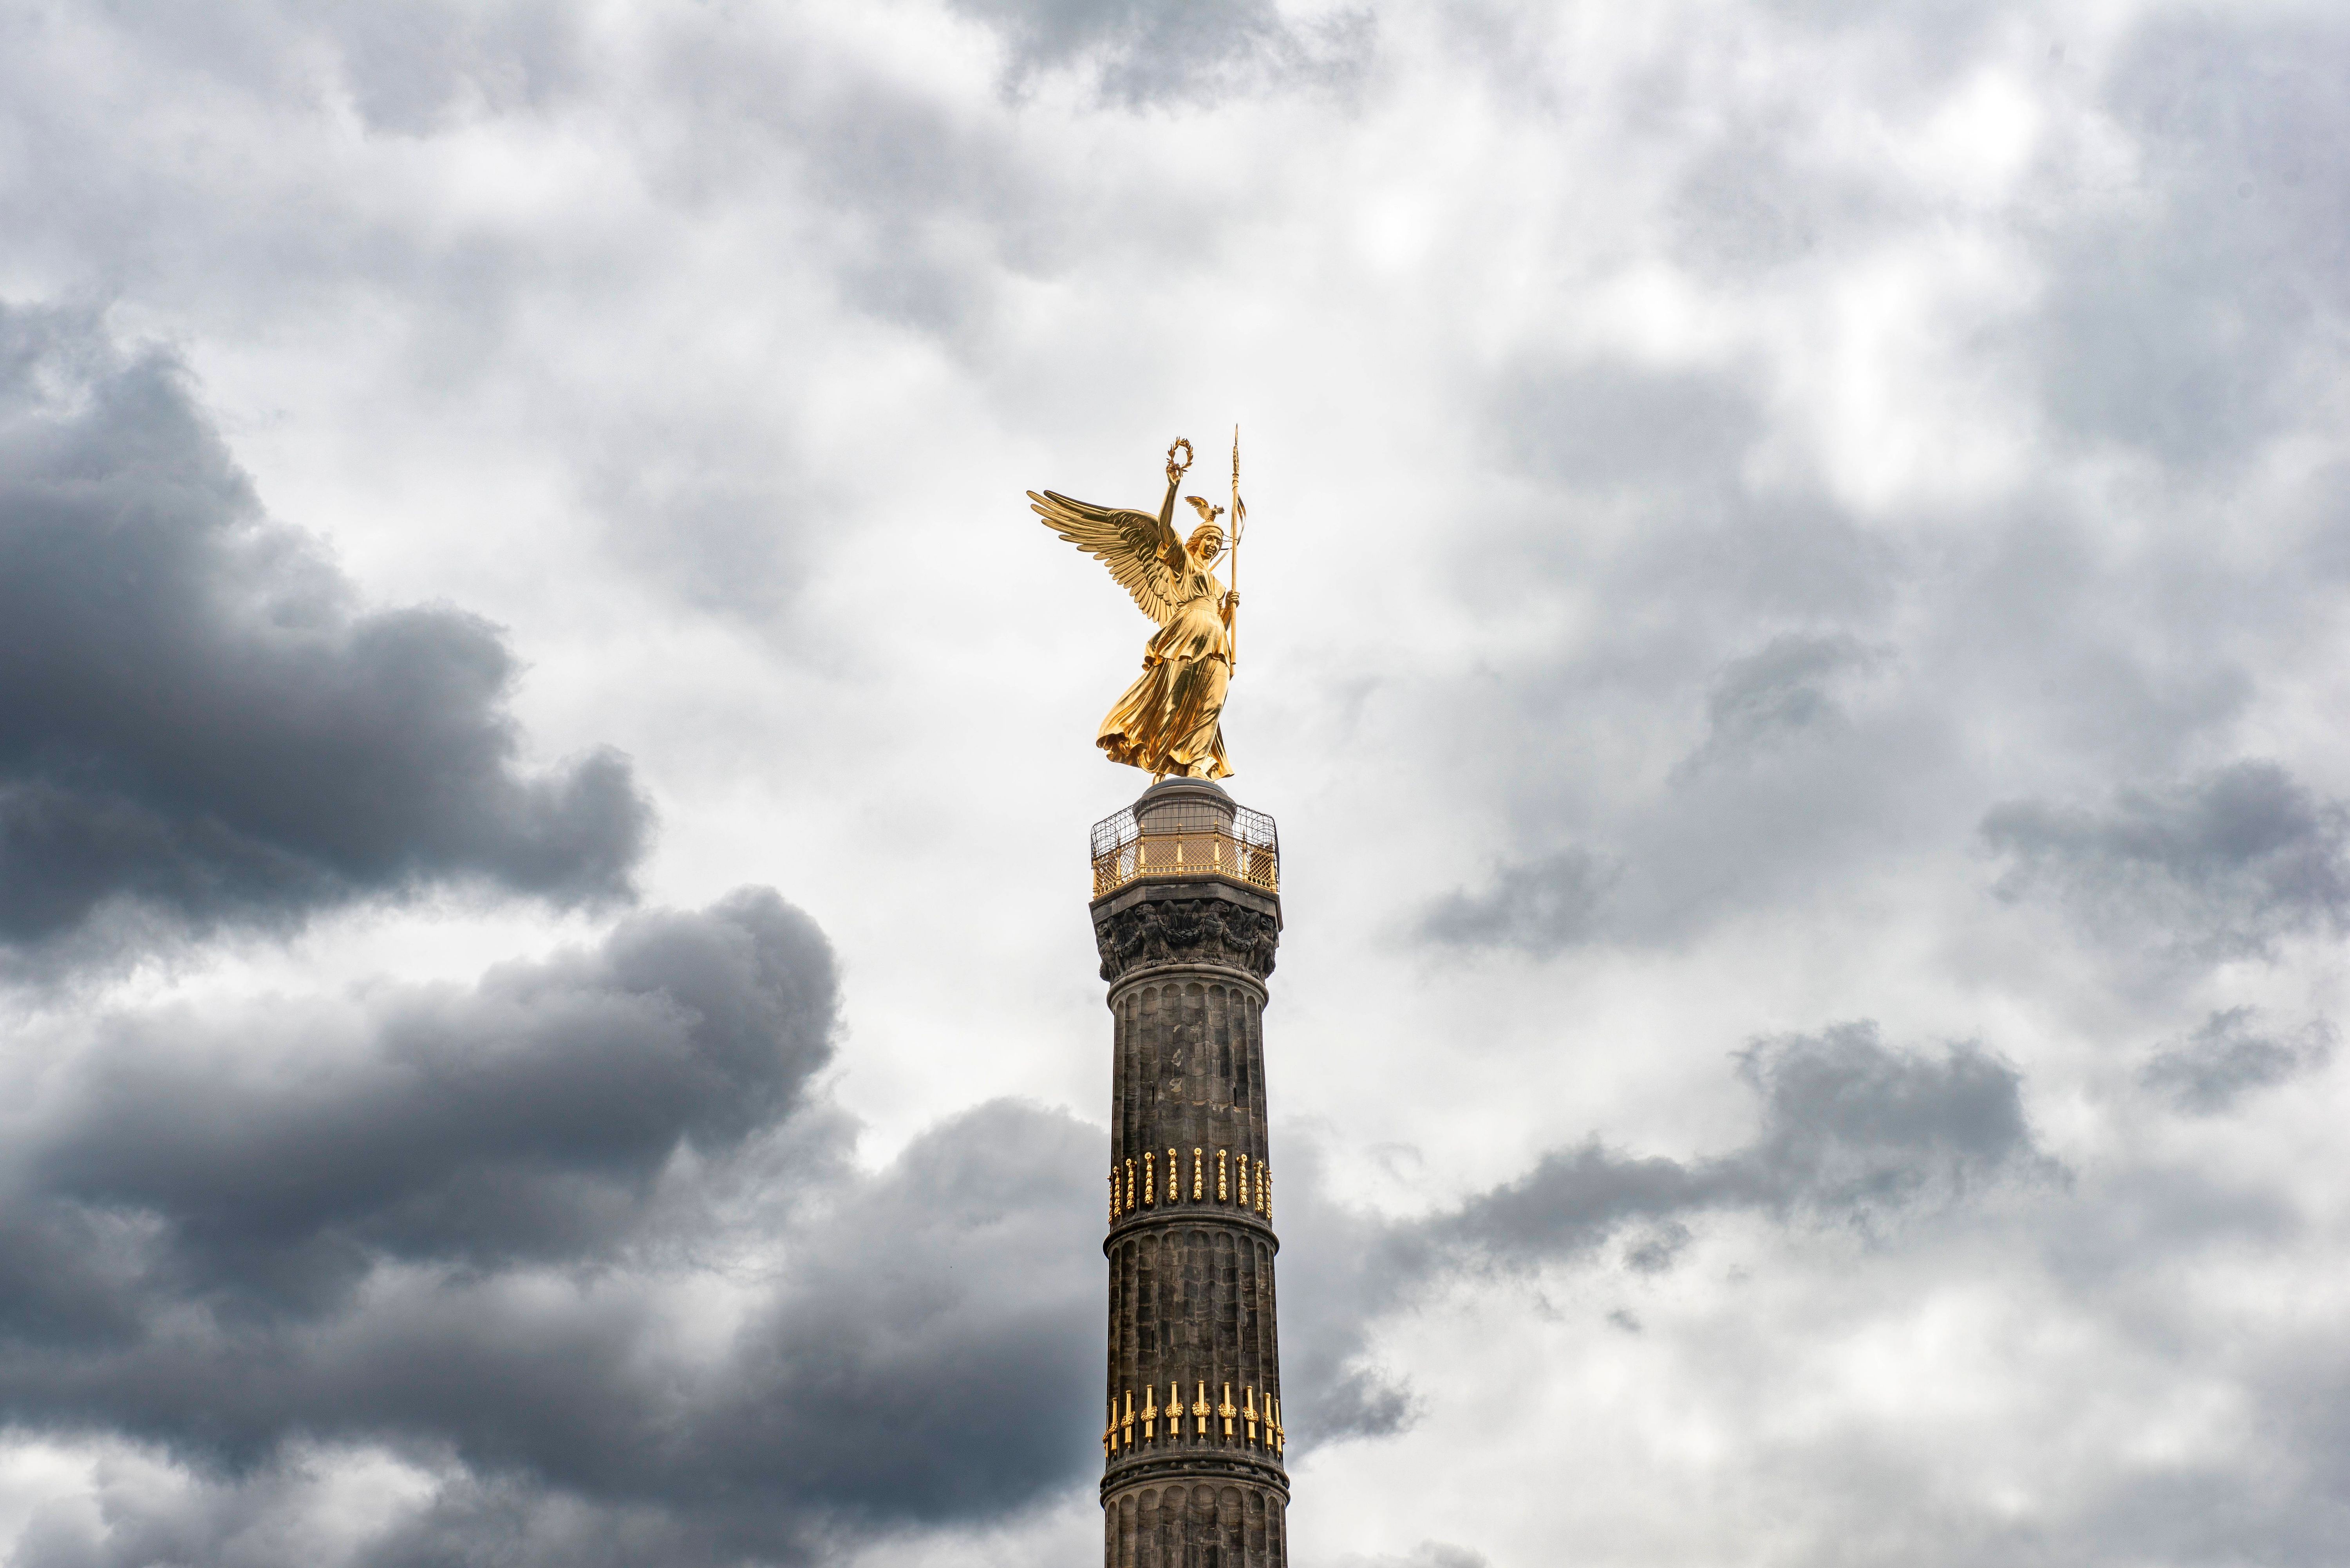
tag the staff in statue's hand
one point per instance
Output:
(1240, 531)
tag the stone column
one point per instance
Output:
(1193, 1474)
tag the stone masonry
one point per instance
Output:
(1193, 1472)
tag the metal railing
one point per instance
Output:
(1187, 838)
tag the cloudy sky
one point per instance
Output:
(1795, 630)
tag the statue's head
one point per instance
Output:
(1207, 541)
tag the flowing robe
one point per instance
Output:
(1170, 721)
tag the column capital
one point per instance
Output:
(1197, 922)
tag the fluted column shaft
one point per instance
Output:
(1191, 1240)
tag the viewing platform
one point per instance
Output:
(1186, 828)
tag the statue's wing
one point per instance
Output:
(1132, 544)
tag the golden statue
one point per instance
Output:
(1170, 721)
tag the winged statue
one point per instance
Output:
(1170, 721)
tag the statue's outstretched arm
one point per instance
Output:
(1140, 551)
(1170, 548)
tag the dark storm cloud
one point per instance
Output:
(1854, 1134)
(915, 1368)
(523, 1119)
(268, 1164)
(2219, 1062)
(461, 1231)
(1854, 1129)
(197, 721)
(2224, 865)
(921, 1367)
(1143, 52)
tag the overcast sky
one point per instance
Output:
(1795, 631)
